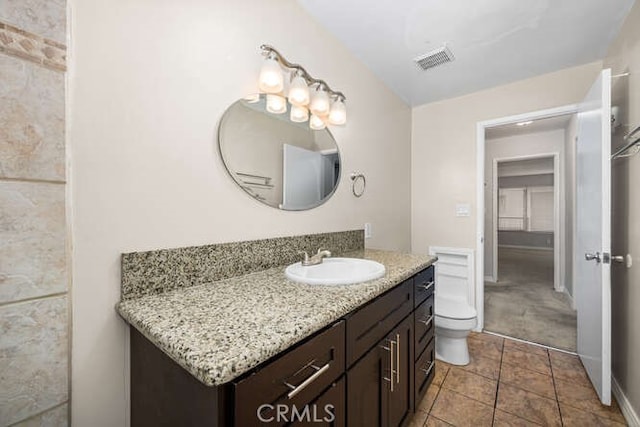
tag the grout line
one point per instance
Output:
(40, 297)
(530, 342)
(433, 404)
(495, 403)
(555, 390)
(37, 414)
(33, 180)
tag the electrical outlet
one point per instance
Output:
(367, 230)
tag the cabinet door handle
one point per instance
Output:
(428, 286)
(398, 358)
(391, 370)
(297, 389)
(428, 321)
(427, 371)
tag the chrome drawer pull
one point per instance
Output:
(428, 321)
(391, 370)
(428, 370)
(295, 390)
(428, 285)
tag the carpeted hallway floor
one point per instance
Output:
(524, 305)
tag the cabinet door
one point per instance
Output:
(400, 407)
(367, 389)
(380, 385)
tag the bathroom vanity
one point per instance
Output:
(259, 349)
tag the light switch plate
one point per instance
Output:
(367, 230)
(463, 209)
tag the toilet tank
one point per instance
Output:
(454, 273)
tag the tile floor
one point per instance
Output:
(509, 383)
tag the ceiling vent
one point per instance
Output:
(436, 57)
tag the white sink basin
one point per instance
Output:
(335, 271)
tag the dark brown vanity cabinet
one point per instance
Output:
(286, 388)
(369, 368)
(424, 341)
(380, 385)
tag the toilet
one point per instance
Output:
(455, 318)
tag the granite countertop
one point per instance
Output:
(221, 330)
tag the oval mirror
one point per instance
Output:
(281, 163)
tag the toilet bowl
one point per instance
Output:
(454, 319)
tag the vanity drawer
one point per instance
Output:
(372, 322)
(328, 410)
(424, 283)
(424, 324)
(425, 370)
(294, 378)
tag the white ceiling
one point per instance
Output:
(494, 41)
(541, 125)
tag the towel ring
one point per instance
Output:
(358, 184)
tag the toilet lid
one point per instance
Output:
(454, 308)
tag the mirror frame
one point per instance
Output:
(245, 191)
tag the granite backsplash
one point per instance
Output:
(154, 272)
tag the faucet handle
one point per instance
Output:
(306, 256)
(323, 252)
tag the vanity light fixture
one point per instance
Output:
(298, 89)
(316, 122)
(304, 90)
(276, 104)
(271, 79)
(253, 98)
(299, 114)
(338, 113)
(320, 103)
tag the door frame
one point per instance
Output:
(558, 222)
(480, 170)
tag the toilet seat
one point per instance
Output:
(455, 324)
(454, 309)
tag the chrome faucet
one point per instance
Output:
(315, 259)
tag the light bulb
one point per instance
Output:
(298, 90)
(316, 123)
(276, 104)
(298, 114)
(319, 102)
(338, 113)
(271, 79)
(252, 98)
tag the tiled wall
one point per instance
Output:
(34, 268)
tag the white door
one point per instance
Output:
(302, 178)
(593, 236)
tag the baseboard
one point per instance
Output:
(535, 248)
(566, 292)
(629, 413)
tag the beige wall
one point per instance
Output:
(529, 144)
(443, 161)
(34, 273)
(149, 81)
(624, 56)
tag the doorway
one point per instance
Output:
(525, 297)
(527, 192)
